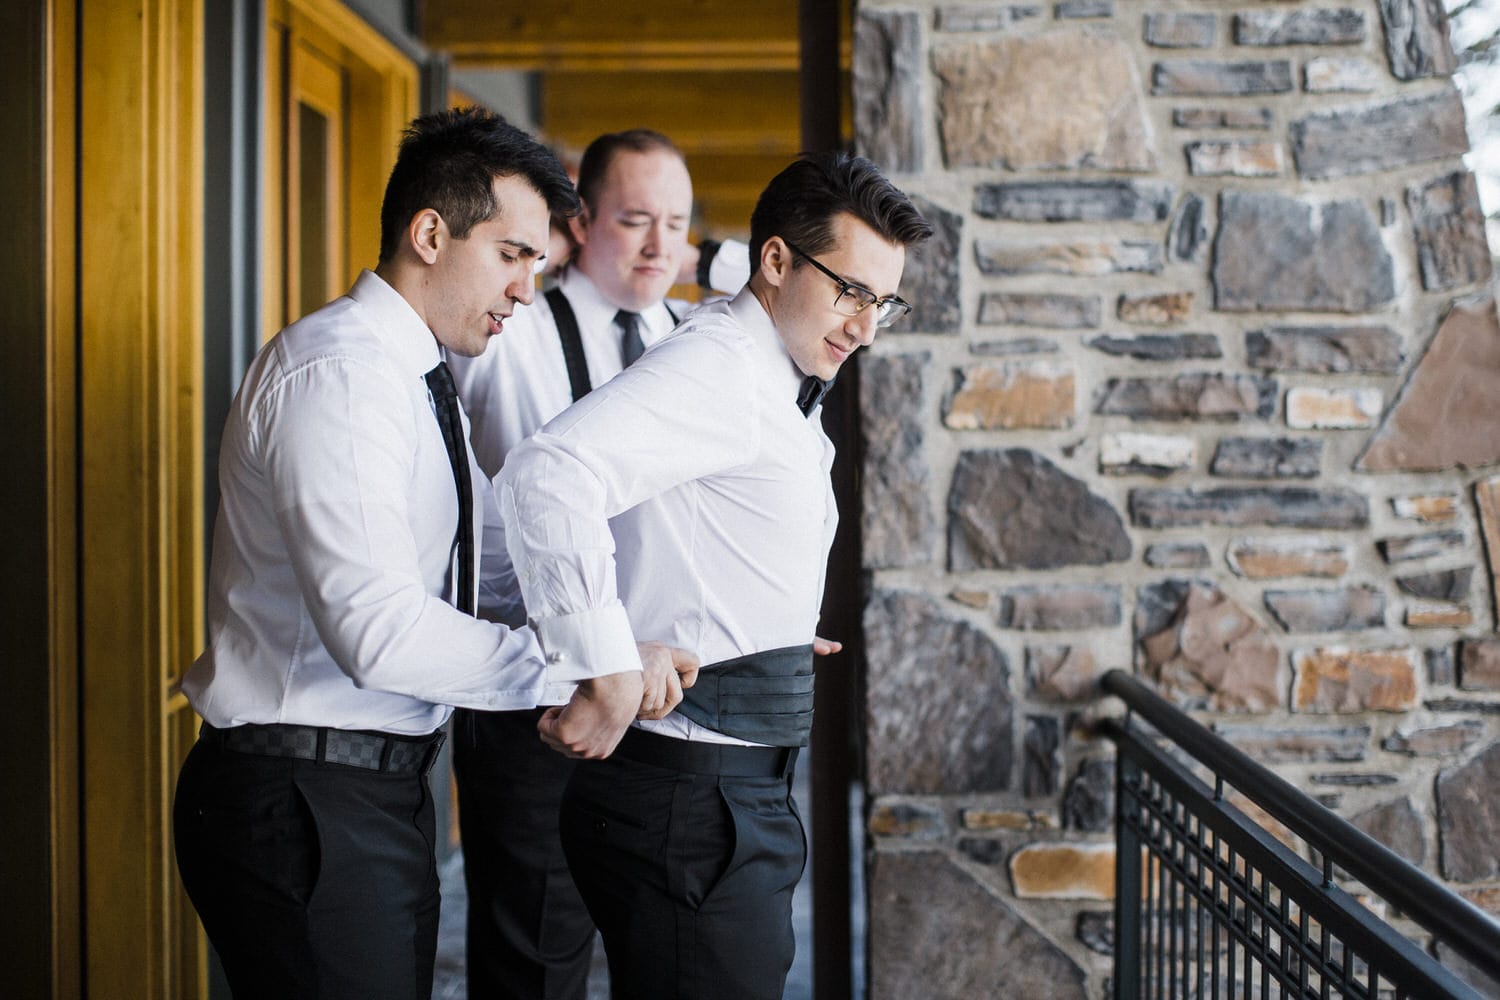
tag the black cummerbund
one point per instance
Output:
(764, 697)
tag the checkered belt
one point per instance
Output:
(372, 751)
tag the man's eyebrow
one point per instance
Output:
(523, 249)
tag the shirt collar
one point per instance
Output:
(595, 313)
(408, 339)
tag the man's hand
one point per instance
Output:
(826, 647)
(666, 670)
(591, 723)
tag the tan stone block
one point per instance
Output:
(977, 599)
(1062, 99)
(1214, 654)
(1487, 499)
(1269, 558)
(1236, 158)
(1010, 396)
(1062, 673)
(1487, 898)
(1438, 615)
(1336, 679)
(1436, 508)
(1156, 310)
(1309, 407)
(1445, 416)
(1008, 819)
(1064, 871)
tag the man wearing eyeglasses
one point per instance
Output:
(709, 456)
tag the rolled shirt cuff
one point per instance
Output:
(582, 646)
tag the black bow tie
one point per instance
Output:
(811, 393)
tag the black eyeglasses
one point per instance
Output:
(855, 299)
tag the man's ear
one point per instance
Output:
(578, 225)
(775, 261)
(427, 234)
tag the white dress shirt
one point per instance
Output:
(521, 380)
(719, 491)
(334, 547)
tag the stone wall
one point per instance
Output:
(1202, 382)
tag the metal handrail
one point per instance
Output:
(1436, 908)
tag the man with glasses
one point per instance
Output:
(529, 936)
(708, 455)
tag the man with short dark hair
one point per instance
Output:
(529, 936)
(351, 524)
(692, 493)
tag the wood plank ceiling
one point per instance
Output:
(719, 78)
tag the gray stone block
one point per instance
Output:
(889, 63)
(1013, 509)
(1159, 346)
(1286, 506)
(1188, 237)
(1181, 31)
(931, 280)
(1065, 607)
(1448, 223)
(898, 522)
(1268, 458)
(1192, 396)
(1345, 609)
(1332, 349)
(1416, 39)
(1287, 744)
(1074, 201)
(1062, 312)
(926, 739)
(919, 898)
(1468, 816)
(1274, 252)
(1041, 756)
(1316, 26)
(1208, 78)
(1354, 141)
(1177, 555)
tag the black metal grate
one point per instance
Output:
(1209, 904)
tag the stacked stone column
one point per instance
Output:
(1203, 382)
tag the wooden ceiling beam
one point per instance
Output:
(578, 34)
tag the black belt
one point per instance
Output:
(706, 758)
(372, 751)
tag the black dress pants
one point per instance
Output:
(313, 879)
(689, 877)
(529, 936)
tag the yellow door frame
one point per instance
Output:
(113, 90)
(139, 375)
(380, 93)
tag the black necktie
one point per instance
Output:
(445, 397)
(631, 345)
(811, 393)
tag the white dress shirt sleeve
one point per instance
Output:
(340, 470)
(686, 410)
(729, 271)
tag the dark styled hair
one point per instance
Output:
(603, 150)
(448, 162)
(800, 203)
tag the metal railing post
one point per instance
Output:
(1127, 942)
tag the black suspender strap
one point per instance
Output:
(572, 343)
